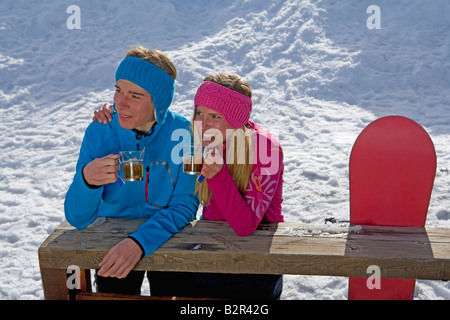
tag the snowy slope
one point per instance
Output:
(319, 76)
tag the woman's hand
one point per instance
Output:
(103, 115)
(212, 164)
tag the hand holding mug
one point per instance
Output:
(211, 164)
(102, 171)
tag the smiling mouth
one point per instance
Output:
(124, 116)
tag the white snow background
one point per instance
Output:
(319, 75)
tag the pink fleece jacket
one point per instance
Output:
(263, 198)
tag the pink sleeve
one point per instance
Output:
(245, 214)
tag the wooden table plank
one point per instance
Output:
(285, 248)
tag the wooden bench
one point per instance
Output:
(285, 248)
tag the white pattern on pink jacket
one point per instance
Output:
(263, 198)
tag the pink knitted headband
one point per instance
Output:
(234, 106)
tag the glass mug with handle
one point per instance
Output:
(132, 163)
(193, 158)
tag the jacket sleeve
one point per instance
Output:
(81, 202)
(165, 223)
(244, 214)
(79, 213)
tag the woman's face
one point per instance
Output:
(134, 106)
(212, 123)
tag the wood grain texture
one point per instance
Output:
(285, 248)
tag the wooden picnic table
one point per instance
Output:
(284, 248)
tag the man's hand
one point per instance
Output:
(102, 171)
(121, 259)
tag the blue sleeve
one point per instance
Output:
(165, 223)
(81, 202)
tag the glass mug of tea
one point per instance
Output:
(192, 159)
(132, 163)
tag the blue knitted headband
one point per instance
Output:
(153, 79)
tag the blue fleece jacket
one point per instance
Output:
(166, 196)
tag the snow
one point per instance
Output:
(318, 73)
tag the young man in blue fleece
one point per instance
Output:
(145, 83)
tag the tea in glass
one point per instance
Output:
(132, 165)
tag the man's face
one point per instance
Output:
(134, 106)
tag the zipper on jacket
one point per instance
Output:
(138, 136)
(146, 183)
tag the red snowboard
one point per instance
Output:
(392, 170)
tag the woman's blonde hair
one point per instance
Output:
(155, 57)
(239, 150)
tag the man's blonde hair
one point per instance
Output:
(155, 57)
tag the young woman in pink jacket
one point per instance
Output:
(243, 183)
(244, 187)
